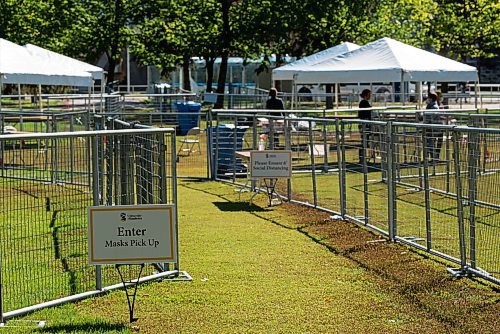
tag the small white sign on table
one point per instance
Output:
(271, 164)
(129, 234)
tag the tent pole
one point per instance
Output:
(19, 97)
(420, 95)
(40, 102)
(476, 93)
(89, 90)
(243, 76)
(336, 95)
(1, 89)
(103, 86)
(402, 88)
(128, 69)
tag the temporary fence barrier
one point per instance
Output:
(431, 186)
(41, 159)
(192, 153)
(43, 225)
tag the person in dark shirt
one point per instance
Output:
(432, 135)
(366, 94)
(366, 115)
(274, 102)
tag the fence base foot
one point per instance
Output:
(181, 276)
(23, 324)
(458, 272)
(413, 239)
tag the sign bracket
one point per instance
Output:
(135, 284)
(270, 184)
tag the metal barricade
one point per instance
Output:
(43, 225)
(433, 187)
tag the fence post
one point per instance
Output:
(1, 290)
(365, 171)
(288, 147)
(473, 153)
(173, 167)
(72, 147)
(426, 132)
(340, 135)
(96, 199)
(2, 143)
(313, 165)
(208, 144)
(326, 147)
(460, 209)
(391, 182)
(217, 137)
(235, 146)
(163, 176)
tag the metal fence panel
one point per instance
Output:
(433, 187)
(43, 224)
(480, 197)
(192, 135)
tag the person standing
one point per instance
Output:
(464, 87)
(274, 103)
(365, 115)
(432, 134)
(366, 94)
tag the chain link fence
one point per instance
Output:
(43, 219)
(434, 187)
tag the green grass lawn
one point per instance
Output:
(284, 269)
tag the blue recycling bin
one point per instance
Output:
(188, 116)
(225, 147)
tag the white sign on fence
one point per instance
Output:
(131, 234)
(271, 164)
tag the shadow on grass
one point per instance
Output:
(238, 206)
(87, 327)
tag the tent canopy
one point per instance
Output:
(386, 60)
(288, 71)
(18, 66)
(65, 62)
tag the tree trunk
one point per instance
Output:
(186, 82)
(225, 42)
(210, 72)
(111, 68)
(221, 82)
(113, 55)
(279, 62)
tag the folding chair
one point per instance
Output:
(189, 142)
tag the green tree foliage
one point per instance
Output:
(467, 28)
(457, 29)
(409, 21)
(167, 33)
(102, 27)
(177, 31)
(37, 22)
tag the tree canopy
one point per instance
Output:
(167, 33)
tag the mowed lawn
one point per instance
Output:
(284, 269)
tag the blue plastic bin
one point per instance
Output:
(188, 116)
(226, 159)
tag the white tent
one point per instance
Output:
(18, 66)
(288, 71)
(386, 60)
(65, 62)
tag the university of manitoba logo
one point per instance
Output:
(123, 216)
